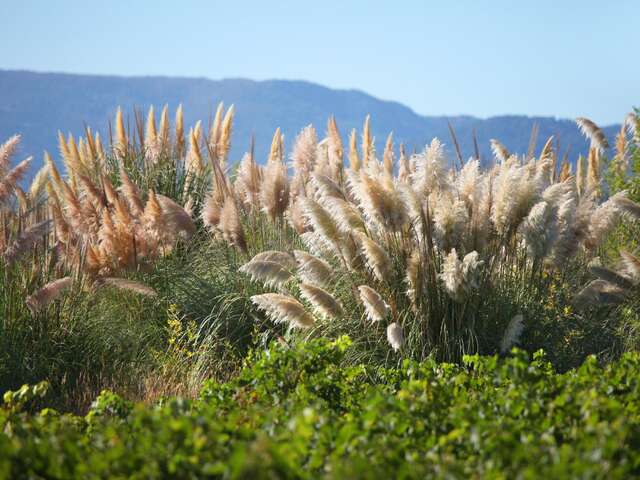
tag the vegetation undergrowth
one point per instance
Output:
(298, 412)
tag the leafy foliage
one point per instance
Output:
(296, 412)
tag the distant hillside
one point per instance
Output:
(37, 105)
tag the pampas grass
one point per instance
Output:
(283, 309)
(312, 269)
(125, 284)
(270, 273)
(451, 254)
(590, 130)
(395, 337)
(374, 305)
(512, 334)
(26, 241)
(321, 300)
(47, 294)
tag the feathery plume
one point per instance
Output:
(163, 129)
(538, 230)
(515, 190)
(100, 153)
(61, 227)
(92, 193)
(26, 241)
(124, 284)
(248, 182)
(610, 276)
(326, 188)
(109, 190)
(303, 157)
(276, 153)
(120, 145)
(630, 266)
(367, 141)
(547, 150)
(8, 150)
(354, 159)
(53, 170)
(593, 172)
(152, 217)
(460, 278)
(404, 170)
(274, 191)
(345, 214)
(395, 337)
(565, 171)
(295, 217)
(628, 206)
(63, 148)
(593, 133)
(620, 161)
(194, 164)
(377, 258)
(47, 294)
(73, 160)
(215, 132)
(271, 274)
(374, 306)
(39, 183)
(176, 219)
(311, 269)
(450, 220)
(230, 224)
(430, 174)
(413, 277)
(212, 209)
(602, 220)
(631, 124)
(499, 150)
(380, 202)
(224, 143)
(151, 132)
(321, 300)
(387, 156)
(512, 334)
(10, 181)
(317, 244)
(283, 309)
(335, 148)
(131, 193)
(283, 258)
(179, 132)
(580, 175)
(468, 183)
(320, 220)
(599, 293)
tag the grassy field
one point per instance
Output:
(331, 312)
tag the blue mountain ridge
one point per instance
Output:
(38, 105)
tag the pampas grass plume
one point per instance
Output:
(47, 294)
(374, 305)
(268, 272)
(590, 130)
(283, 309)
(395, 337)
(321, 300)
(512, 334)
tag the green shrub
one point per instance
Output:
(299, 413)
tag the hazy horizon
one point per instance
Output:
(301, 80)
(549, 59)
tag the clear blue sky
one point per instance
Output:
(559, 58)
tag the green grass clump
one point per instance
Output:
(300, 413)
